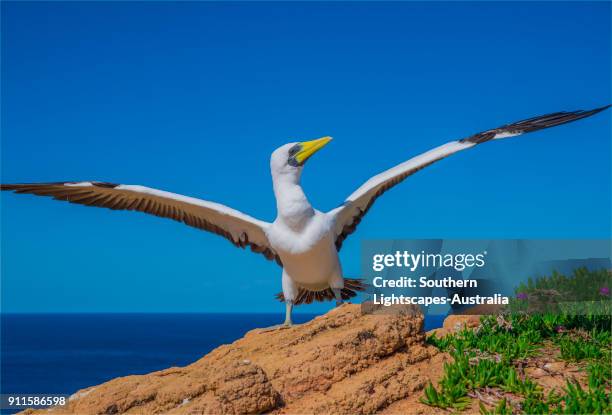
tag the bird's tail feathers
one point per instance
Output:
(351, 286)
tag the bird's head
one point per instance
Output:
(289, 159)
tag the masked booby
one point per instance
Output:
(302, 240)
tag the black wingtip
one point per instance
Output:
(558, 118)
(534, 124)
(600, 109)
(585, 114)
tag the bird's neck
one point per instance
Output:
(292, 206)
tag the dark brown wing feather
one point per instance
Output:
(352, 227)
(103, 194)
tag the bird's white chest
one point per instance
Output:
(298, 240)
(308, 255)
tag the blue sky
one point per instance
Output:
(193, 97)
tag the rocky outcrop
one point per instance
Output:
(454, 323)
(344, 362)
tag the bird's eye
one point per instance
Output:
(292, 152)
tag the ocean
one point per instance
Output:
(61, 353)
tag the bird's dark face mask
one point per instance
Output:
(299, 153)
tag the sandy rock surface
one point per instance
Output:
(455, 323)
(344, 362)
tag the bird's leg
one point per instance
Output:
(338, 296)
(288, 323)
(290, 291)
(288, 310)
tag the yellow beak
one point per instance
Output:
(308, 148)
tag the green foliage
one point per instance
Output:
(583, 292)
(484, 358)
(582, 285)
(454, 398)
(599, 373)
(502, 408)
(574, 350)
(534, 404)
(464, 375)
(493, 338)
(580, 401)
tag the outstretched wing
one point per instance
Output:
(349, 214)
(240, 229)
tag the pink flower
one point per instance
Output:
(605, 291)
(521, 296)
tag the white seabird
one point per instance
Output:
(303, 240)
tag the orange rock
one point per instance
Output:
(455, 323)
(344, 362)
